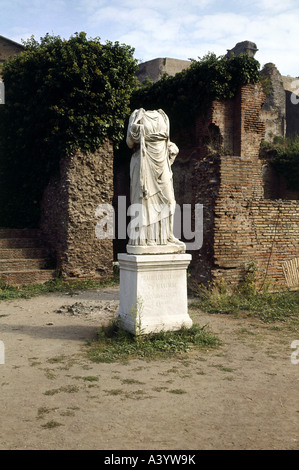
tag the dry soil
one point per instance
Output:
(243, 395)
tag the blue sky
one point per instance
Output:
(166, 28)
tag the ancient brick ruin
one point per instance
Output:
(241, 225)
(219, 167)
(69, 216)
(249, 214)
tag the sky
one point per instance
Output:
(166, 28)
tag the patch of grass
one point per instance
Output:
(223, 368)
(268, 307)
(91, 378)
(159, 389)
(49, 374)
(66, 389)
(58, 284)
(42, 411)
(132, 381)
(133, 395)
(56, 359)
(67, 413)
(136, 394)
(114, 391)
(115, 344)
(51, 424)
(34, 361)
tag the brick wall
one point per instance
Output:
(252, 129)
(240, 225)
(218, 166)
(265, 233)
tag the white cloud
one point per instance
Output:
(166, 28)
(275, 6)
(217, 26)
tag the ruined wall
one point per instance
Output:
(263, 232)
(274, 109)
(154, 69)
(68, 214)
(227, 128)
(279, 114)
(240, 225)
(219, 167)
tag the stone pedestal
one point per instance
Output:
(153, 292)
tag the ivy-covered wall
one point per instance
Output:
(190, 92)
(240, 225)
(62, 96)
(67, 108)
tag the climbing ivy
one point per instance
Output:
(191, 91)
(68, 95)
(61, 96)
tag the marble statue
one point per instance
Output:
(151, 182)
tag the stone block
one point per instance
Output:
(153, 292)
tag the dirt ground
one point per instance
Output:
(244, 395)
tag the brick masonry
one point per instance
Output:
(240, 225)
(218, 166)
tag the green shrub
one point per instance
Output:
(267, 306)
(61, 96)
(191, 91)
(116, 344)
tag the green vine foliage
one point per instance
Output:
(191, 91)
(61, 96)
(69, 95)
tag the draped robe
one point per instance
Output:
(151, 184)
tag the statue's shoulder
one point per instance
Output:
(164, 115)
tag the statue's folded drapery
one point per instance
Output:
(151, 189)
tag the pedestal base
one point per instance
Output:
(170, 248)
(153, 292)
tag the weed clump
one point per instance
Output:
(27, 291)
(114, 343)
(247, 298)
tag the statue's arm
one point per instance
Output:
(172, 152)
(133, 133)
